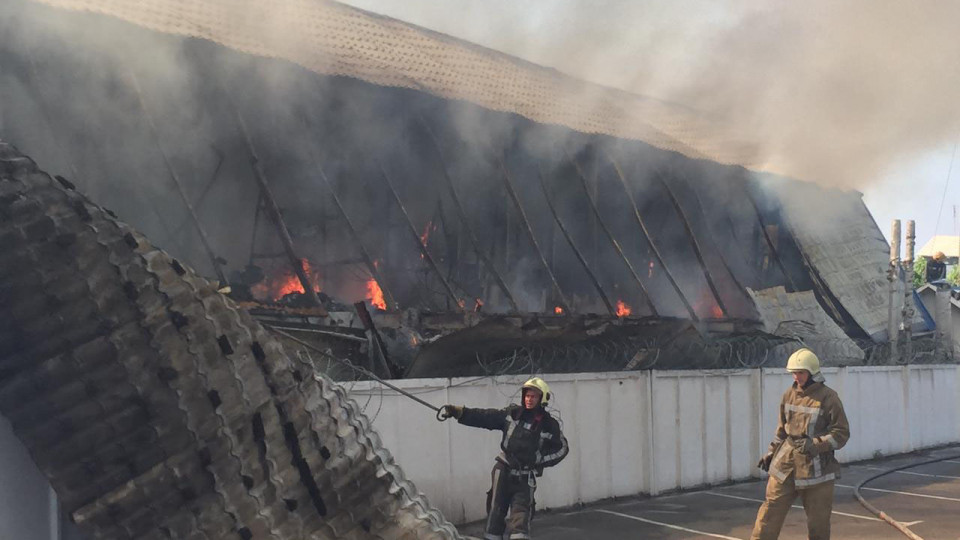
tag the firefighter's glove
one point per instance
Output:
(451, 411)
(765, 461)
(807, 447)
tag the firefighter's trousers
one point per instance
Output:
(509, 490)
(817, 503)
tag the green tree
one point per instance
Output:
(953, 276)
(919, 272)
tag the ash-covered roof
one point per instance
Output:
(334, 39)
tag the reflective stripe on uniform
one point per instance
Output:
(494, 491)
(801, 408)
(546, 435)
(815, 480)
(511, 425)
(558, 454)
(774, 470)
(519, 536)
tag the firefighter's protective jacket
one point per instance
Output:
(531, 440)
(813, 412)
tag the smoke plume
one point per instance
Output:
(834, 92)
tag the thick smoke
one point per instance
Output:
(834, 92)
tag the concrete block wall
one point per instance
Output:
(28, 506)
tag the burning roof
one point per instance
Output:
(302, 188)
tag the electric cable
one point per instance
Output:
(945, 185)
(883, 515)
(359, 369)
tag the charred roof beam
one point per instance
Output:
(649, 238)
(463, 217)
(613, 240)
(420, 244)
(508, 183)
(214, 260)
(273, 211)
(688, 228)
(573, 246)
(367, 260)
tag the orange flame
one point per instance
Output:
(623, 310)
(716, 312)
(425, 237)
(558, 310)
(285, 282)
(375, 295)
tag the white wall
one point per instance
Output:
(27, 504)
(629, 432)
(649, 432)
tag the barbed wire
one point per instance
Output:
(748, 351)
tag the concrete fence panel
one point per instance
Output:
(630, 433)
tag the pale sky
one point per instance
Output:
(857, 94)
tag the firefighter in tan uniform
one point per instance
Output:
(800, 459)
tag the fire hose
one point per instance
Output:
(368, 373)
(883, 515)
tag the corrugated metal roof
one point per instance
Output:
(949, 245)
(334, 39)
(799, 315)
(841, 242)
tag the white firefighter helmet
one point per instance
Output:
(804, 359)
(540, 385)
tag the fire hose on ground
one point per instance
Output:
(883, 515)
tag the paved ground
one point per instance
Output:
(925, 497)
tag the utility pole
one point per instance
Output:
(906, 318)
(893, 278)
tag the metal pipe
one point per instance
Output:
(206, 188)
(907, 313)
(693, 241)
(368, 261)
(894, 278)
(420, 244)
(649, 238)
(273, 211)
(573, 246)
(377, 348)
(337, 335)
(256, 224)
(911, 239)
(613, 240)
(176, 181)
(463, 219)
(505, 175)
